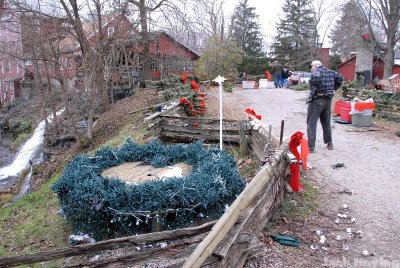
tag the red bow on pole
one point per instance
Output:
(253, 113)
(294, 182)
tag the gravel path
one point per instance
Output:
(371, 157)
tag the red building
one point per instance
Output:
(348, 68)
(171, 56)
(11, 68)
(167, 54)
(323, 55)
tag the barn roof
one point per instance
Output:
(179, 43)
(347, 61)
(355, 57)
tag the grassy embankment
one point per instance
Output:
(33, 223)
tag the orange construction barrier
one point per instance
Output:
(268, 76)
(305, 152)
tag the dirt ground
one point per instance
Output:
(368, 185)
(136, 172)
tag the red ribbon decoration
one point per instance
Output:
(194, 86)
(253, 113)
(294, 182)
(184, 77)
(185, 102)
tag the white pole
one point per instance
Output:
(220, 116)
(220, 80)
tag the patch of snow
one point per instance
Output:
(172, 172)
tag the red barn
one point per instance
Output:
(348, 68)
(11, 68)
(167, 54)
(171, 56)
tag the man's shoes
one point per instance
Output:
(311, 150)
(330, 146)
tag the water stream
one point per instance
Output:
(25, 156)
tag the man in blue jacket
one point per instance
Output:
(323, 84)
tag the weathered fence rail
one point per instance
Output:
(189, 129)
(225, 243)
(106, 245)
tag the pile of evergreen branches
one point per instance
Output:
(108, 207)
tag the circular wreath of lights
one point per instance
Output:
(108, 207)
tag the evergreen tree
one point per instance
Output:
(351, 24)
(295, 42)
(245, 31)
(334, 61)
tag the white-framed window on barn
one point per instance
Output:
(49, 65)
(173, 64)
(154, 64)
(189, 65)
(61, 63)
(36, 25)
(68, 63)
(139, 63)
(110, 30)
(6, 66)
(179, 64)
(167, 63)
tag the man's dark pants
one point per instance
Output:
(319, 108)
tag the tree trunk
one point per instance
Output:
(145, 39)
(90, 123)
(51, 97)
(389, 61)
(39, 87)
(68, 111)
(90, 103)
(101, 84)
(391, 42)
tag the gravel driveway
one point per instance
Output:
(371, 157)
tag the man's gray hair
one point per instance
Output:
(316, 63)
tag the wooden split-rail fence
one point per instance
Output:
(228, 242)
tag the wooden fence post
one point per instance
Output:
(244, 149)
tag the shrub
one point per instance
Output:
(301, 87)
(228, 87)
(21, 138)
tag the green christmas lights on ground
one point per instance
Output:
(108, 207)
